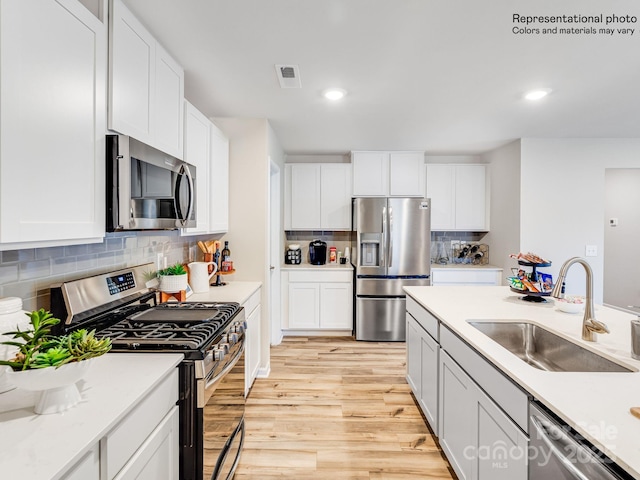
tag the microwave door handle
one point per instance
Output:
(184, 172)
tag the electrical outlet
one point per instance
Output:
(591, 251)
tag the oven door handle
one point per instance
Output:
(203, 396)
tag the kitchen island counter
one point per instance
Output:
(594, 404)
(44, 447)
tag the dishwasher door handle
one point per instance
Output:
(555, 437)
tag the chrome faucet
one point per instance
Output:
(590, 326)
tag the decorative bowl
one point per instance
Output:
(570, 304)
(57, 386)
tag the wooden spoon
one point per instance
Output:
(635, 411)
(203, 247)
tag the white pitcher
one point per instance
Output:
(200, 276)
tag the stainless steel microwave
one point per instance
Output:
(146, 188)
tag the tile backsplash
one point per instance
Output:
(29, 273)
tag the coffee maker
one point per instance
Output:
(318, 252)
(293, 255)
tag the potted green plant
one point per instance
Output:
(173, 279)
(51, 364)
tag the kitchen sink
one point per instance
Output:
(545, 350)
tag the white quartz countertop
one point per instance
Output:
(236, 291)
(43, 446)
(595, 404)
(463, 266)
(326, 266)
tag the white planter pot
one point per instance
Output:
(173, 283)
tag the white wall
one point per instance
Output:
(248, 209)
(562, 200)
(504, 178)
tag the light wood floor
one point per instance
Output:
(334, 408)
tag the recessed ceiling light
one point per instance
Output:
(334, 94)
(537, 94)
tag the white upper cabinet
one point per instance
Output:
(206, 147)
(318, 196)
(197, 152)
(146, 88)
(459, 197)
(219, 178)
(384, 174)
(53, 90)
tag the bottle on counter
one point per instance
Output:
(332, 255)
(226, 264)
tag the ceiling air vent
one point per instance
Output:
(288, 76)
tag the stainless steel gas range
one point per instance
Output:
(211, 336)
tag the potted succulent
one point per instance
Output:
(173, 279)
(51, 364)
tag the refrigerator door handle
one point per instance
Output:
(390, 242)
(383, 249)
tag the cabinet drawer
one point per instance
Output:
(121, 443)
(251, 304)
(503, 391)
(465, 277)
(423, 317)
(320, 277)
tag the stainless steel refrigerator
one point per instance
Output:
(392, 250)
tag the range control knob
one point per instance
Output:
(218, 354)
(233, 338)
(239, 327)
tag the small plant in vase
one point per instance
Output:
(173, 279)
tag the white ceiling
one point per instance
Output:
(435, 75)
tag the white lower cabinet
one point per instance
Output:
(478, 414)
(87, 468)
(466, 276)
(157, 457)
(422, 369)
(317, 301)
(252, 340)
(144, 445)
(480, 441)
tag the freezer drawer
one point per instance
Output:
(381, 319)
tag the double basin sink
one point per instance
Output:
(545, 350)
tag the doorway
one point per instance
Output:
(621, 237)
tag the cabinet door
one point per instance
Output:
(441, 191)
(304, 305)
(52, 91)
(457, 419)
(219, 181)
(335, 196)
(87, 468)
(197, 152)
(132, 75)
(252, 347)
(336, 309)
(406, 174)
(470, 201)
(370, 174)
(169, 98)
(414, 363)
(502, 448)
(428, 399)
(158, 456)
(305, 196)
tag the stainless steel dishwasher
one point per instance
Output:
(558, 452)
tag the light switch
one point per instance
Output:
(613, 222)
(591, 251)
